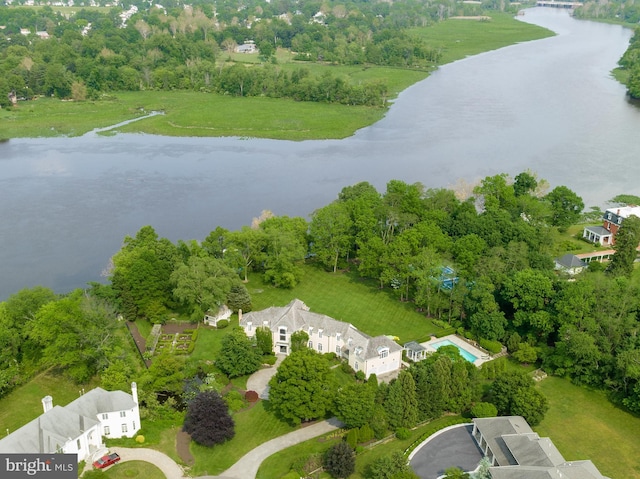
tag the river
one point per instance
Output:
(550, 106)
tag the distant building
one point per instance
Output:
(78, 427)
(611, 222)
(570, 264)
(212, 317)
(246, 47)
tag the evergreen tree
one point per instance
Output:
(627, 240)
(402, 402)
(264, 340)
(208, 420)
(340, 460)
(239, 298)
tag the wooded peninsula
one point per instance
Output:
(263, 70)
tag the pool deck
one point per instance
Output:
(482, 356)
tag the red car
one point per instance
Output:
(106, 461)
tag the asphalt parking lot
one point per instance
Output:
(451, 448)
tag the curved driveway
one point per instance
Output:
(453, 446)
(246, 467)
(167, 465)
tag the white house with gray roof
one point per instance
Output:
(516, 452)
(379, 355)
(78, 427)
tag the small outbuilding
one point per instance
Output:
(570, 264)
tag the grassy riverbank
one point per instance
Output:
(204, 114)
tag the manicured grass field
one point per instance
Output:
(253, 427)
(24, 403)
(134, 469)
(345, 297)
(583, 424)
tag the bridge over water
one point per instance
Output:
(553, 3)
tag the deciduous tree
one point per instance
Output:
(302, 389)
(238, 356)
(208, 420)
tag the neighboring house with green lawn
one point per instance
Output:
(78, 427)
(378, 355)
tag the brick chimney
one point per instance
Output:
(47, 403)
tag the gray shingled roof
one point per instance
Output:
(48, 432)
(54, 428)
(98, 401)
(570, 261)
(521, 454)
(296, 317)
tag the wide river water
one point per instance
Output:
(550, 106)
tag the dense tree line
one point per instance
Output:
(179, 47)
(628, 12)
(630, 61)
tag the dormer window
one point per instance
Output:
(338, 337)
(619, 219)
(383, 352)
(249, 326)
(350, 341)
(358, 351)
(319, 333)
(608, 216)
(310, 330)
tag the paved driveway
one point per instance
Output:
(259, 381)
(450, 447)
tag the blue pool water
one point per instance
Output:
(465, 354)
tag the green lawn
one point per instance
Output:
(462, 38)
(583, 424)
(134, 469)
(345, 297)
(253, 427)
(24, 403)
(279, 464)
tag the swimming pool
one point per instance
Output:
(463, 352)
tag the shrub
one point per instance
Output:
(223, 323)
(352, 438)
(140, 439)
(234, 400)
(494, 347)
(484, 409)
(360, 376)
(340, 460)
(346, 368)
(403, 433)
(251, 396)
(269, 359)
(365, 433)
